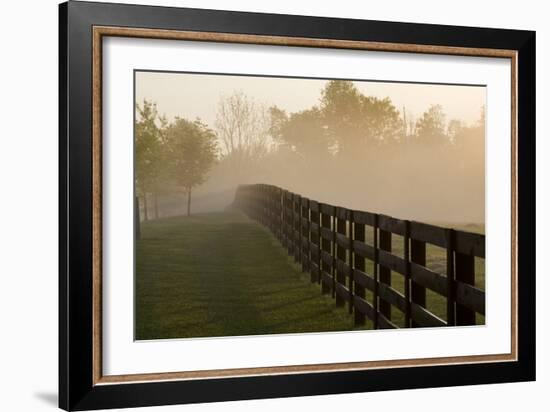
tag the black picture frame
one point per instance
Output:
(77, 390)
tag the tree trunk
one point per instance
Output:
(145, 214)
(189, 202)
(156, 204)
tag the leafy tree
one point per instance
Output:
(148, 151)
(192, 151)
(277, 120)
(357, 122)
(383, 121)
(302, 132)
(341, 108)
(430, 128)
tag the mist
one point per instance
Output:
(347, 147)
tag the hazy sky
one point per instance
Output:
(197, 95)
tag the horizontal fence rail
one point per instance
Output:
(330, 244)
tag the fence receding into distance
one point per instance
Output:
(331, 244)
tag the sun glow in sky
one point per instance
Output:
(197, 95)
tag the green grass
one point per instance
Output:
(221, 274)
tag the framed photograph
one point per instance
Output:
(256, 205)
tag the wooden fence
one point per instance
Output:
(330, 243)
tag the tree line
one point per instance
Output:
(171, 155)
(249, 141)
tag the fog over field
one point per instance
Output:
(413, 151)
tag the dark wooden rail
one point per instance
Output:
(330, 243)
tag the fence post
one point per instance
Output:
(315, 240)
(351, 281)
(418, 292)
(451, 295)
(340, 251)
(268, 196)
(296, 206)
(274, 209)
(265, 207)
(289, 222)
(375, 300)
(465, 273)
(333, 254)
(384, 273)
(326, 247)
(407, 257)
(359, 264)
(304, 224)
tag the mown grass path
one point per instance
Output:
(221, 274)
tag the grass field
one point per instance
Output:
(221, 274)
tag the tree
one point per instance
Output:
(192, 151)
(357, 122)
(454, 129)
(430, 128)
(277, 121)
(242, 125)
(341, 108)
(148, 151)
(383, 121)
(303, 132)
(162, 181)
